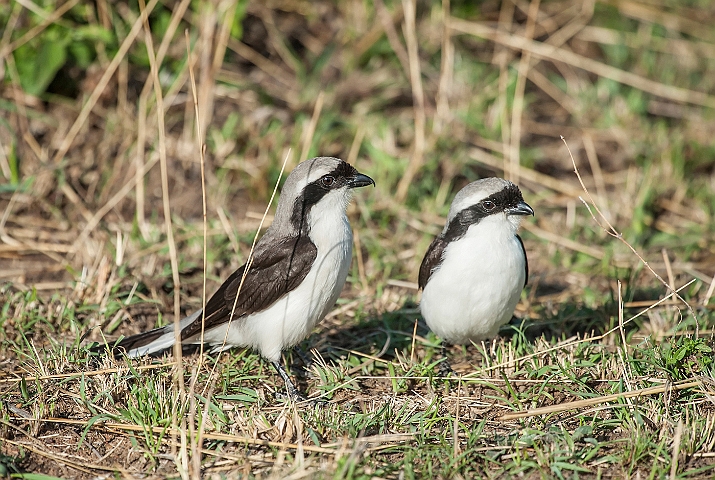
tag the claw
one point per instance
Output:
(292, 393)
(444, 368)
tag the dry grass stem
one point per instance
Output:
(418, 98)
(446, 74)
(202, 158)
(249, 261)
(610, 230)
(518, 103)
(196, 440)
(597, 400)
(526, 174)
(182, 461)
(676, 450)
(309, 132)
(565, 56)
(7, 48)
(326, 448)
(102, 84)
(502, 57)
(89, 373)
(388, 22)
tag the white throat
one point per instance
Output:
(328, 225)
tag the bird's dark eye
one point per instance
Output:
(488, 205)
(328, 181)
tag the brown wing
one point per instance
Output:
(274, 272)
(432, 259)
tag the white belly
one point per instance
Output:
(478, 285)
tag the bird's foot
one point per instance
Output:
(306, 358)
(295, 396)
(292, 393)
(444, 369)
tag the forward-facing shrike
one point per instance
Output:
(296, 273)
(473, 272)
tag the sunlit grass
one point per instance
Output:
(389, 412)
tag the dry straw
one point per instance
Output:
(562, 55)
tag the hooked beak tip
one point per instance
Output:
(361, 180)
(522, 208)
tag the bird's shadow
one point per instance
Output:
(402, 332)
(391, 334)
(371, 336)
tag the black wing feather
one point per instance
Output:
(432, 259)
(526, 261)
(274, 272)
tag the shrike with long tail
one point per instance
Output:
(297, 271)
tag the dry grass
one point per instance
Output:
(609, 372)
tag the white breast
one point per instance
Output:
(478, 284)
(292, 318)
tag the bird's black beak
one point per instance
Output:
(360, 180)
(522, 208)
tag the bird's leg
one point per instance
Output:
(293, 393)
(303, 355)
(444, 368)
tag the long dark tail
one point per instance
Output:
(146, 343)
